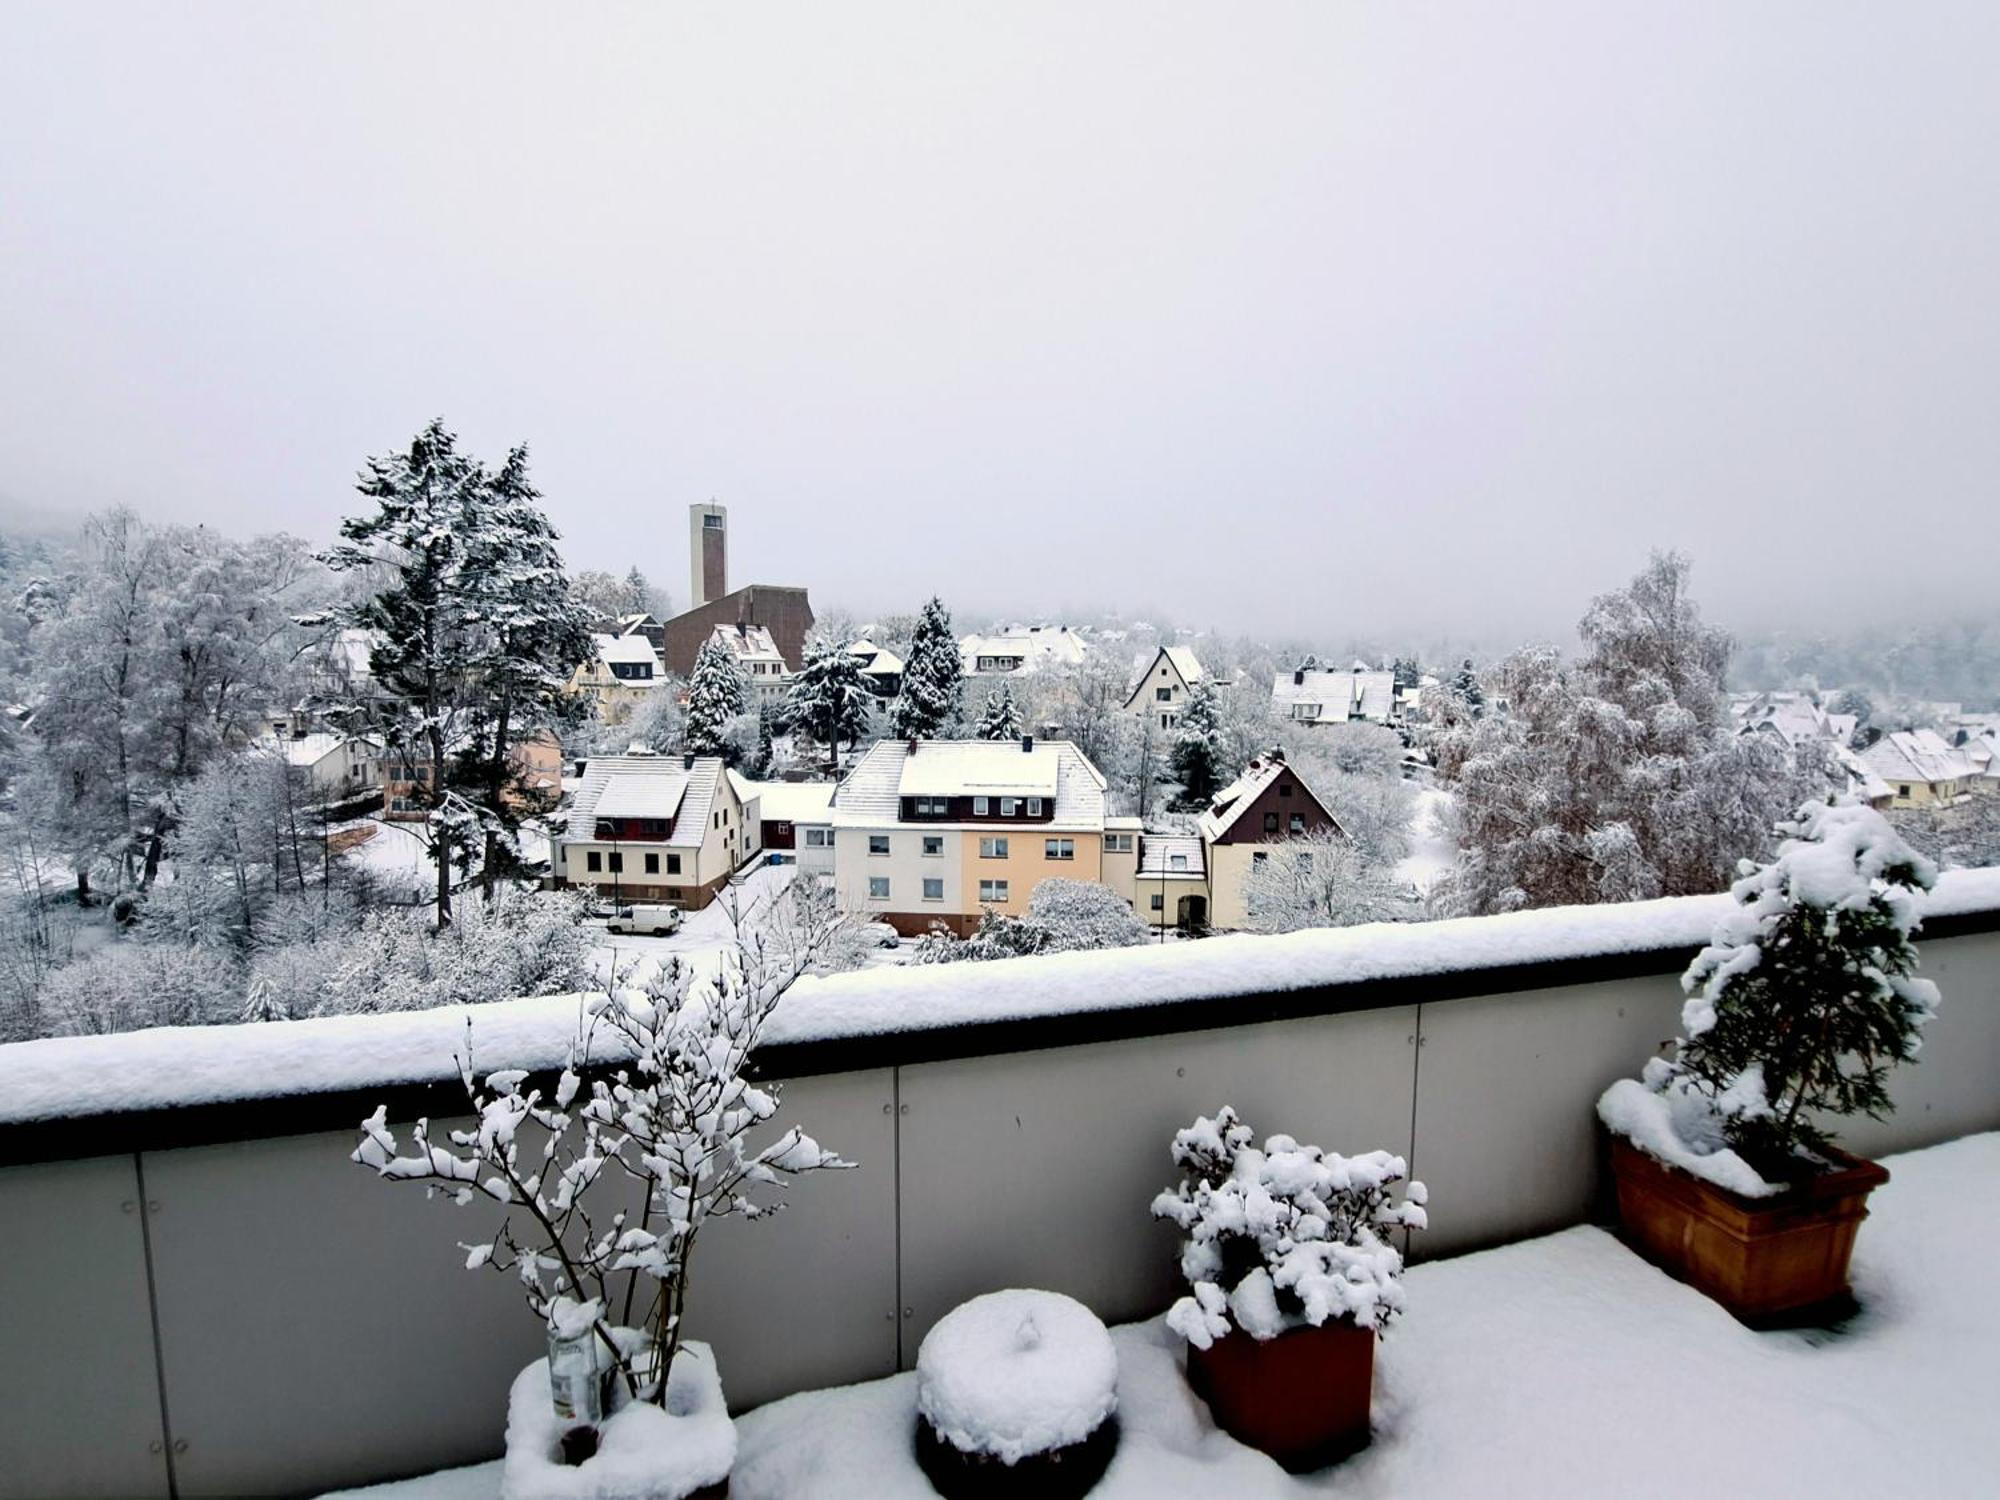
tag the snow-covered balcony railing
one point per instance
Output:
(186, 1252)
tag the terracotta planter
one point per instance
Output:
(1301, 1397)
(1768, 1260)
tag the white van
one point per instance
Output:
(644, 921)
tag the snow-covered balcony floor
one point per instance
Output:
(1557, 1366)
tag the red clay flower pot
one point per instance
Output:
(1301, 1397)
(1768, 1260)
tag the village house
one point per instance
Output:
(794, 821)
(931, 833)
(652, 828)
(1021, 648)
(1921, 768)
(1268, 804)
(533, 783)
(622, 673)
(757, 657)
(1163, 688)
(881, 670)
(337, 767)
(1311, 696)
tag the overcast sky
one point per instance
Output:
(1333, 320)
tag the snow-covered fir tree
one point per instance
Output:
(1465, 683)
(1808, 994)
(715, 697)
(829, 699)
(1197, 759)
(1000, 719)
(930, 703)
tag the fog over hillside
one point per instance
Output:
(1360, 320)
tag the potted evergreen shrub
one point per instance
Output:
(1727, 1174)
(1291, 1277)
(623, 1406)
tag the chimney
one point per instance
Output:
(1299, 677)
(687, 761)
(708, 554)
(1027, 744)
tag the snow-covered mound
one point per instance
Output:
(644, 1452)
(1682, 1130)
(1017, 1373)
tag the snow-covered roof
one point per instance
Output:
(1917, 755)
(1170, 855)
(1180, 658)
(647, 786)
(875, 661)
(307, 750)
(625, 650)
(1860, 776)
(1124, 825)
(1037, 646)
(747, 641)
(870, 795)
(1234, 800)
(972, 768)
(1794, 719)
(792, 801)
(1340, 696)
(1184, 663)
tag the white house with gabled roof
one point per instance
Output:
(1163, 688)
(1268, 804)
(653, 828)
(1310, 695)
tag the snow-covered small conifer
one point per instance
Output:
(1808, 995)
(1000, 720)
(1196, 761)
(715, 696)
(930, 702)
(829, 698)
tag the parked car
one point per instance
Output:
(644, 921)
(881, 934)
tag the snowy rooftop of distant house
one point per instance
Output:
(647, 786)
(747, 641)
(971, 768)
(1917, 755)
(1234, 800)
(792, 801)
(1861, 777)
(1036, 646)
(1184, 663)
(307, 750)
(1338, 696)
(1795, 719)
(1170, 854)
(875, 661)
(624, 649)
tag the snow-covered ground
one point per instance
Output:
(1432, 851)
(705, 934)
(1557, 1366)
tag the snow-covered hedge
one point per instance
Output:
(67, 1077)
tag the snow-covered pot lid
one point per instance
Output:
(1017, 1373)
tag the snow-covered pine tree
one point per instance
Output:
(1000, 720)
(829, 698)
(1465, 683)
(932, 698)
(1808, 995)
(715, 697)
(425, 617)
(534, 632)
(1196, 762)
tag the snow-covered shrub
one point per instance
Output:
(128, 986)
(1799, 1007)
(1321, 880)
(1287, 1236)
(666, 1108)
(1064, 916)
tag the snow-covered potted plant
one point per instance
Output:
(1727, 1174)
(1017, 1395)
(606, 1185)
(1292, 1276)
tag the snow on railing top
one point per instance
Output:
(71, 1077)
